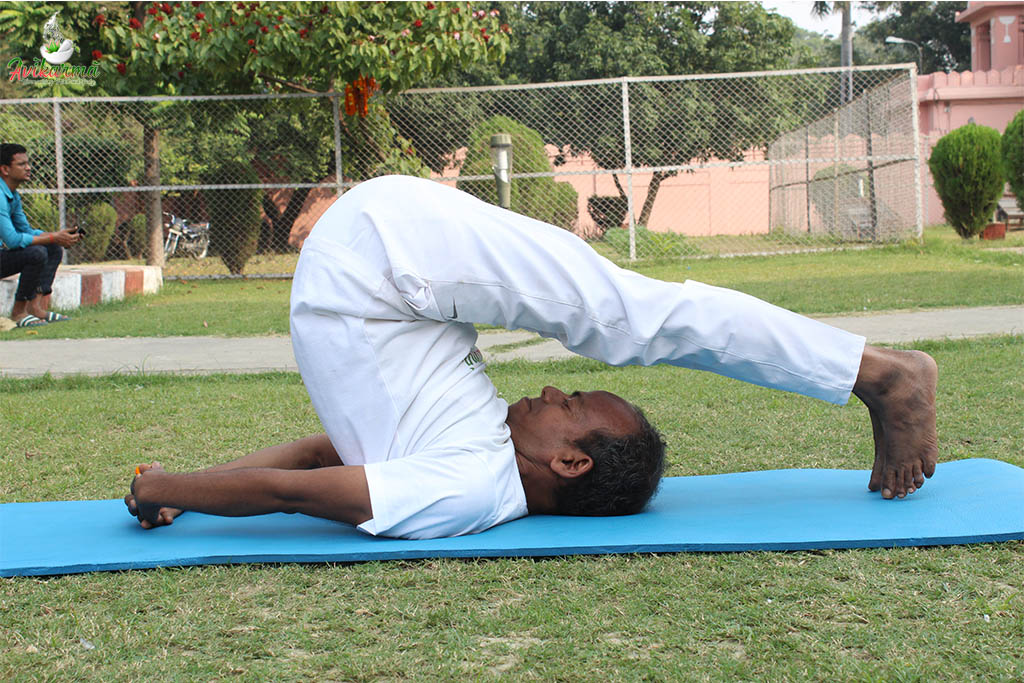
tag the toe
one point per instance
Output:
(918, 475)
(889, 483)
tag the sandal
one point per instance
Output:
(30, 321)
(52, 317)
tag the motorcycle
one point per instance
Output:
(184, 238)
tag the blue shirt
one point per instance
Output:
(15, 232)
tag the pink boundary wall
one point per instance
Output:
(948, 101)
(734, 201)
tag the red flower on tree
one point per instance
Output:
(431, 5)
(303, 33)
(251, 42)
(194, 35)
(122, 69)
(97, 55)
(264, 29)
(240, 5)
(134, 24)
(99, 20)
(152, 10)
(166, 8)
(200, 16)
(159, 18)
(418, 23)
(209, 29)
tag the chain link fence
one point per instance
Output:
(643, 168)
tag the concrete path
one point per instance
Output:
(202, 355)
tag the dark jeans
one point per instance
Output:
(37, 265)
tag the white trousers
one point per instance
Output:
(421, 253)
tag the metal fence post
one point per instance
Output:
(807, 174)
(337, 143)
(58, 150)
(629, 167)
(915, 114)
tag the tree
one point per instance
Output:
(587, 40)
(160, 48)
(945, 43)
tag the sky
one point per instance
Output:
(800, 12)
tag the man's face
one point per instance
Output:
(19, 170)
(551, 421)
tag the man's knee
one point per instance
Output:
(54, 254)
(35, 255)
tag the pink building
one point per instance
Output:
(990, 94)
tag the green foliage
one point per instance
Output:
(41, 211)
(1013, 156)
(656, 245)
(98, 221)
(607, 211)
(842, 181)
(91, 159)
(540, 198)
(317, 44)
(967, 169)
(138, 231)
(945, 42)
(235, 215)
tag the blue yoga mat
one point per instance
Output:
(967, 501)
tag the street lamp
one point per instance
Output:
(501, 164)
(893, 40)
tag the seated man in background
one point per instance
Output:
(419, 445)
(33, 253)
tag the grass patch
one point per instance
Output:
(219, 307)
(900, 614)
(940, 272)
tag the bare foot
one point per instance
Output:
(898, 388)
(149, 516)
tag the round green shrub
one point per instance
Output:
(1013, 156)
(137, 237)
(98, 221)
(235, 215)
(967, 170)
(540, 198)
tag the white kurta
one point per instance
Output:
(387, 286)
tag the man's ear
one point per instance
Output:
(570, 462)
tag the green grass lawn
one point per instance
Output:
(947, 613)
(942, 272)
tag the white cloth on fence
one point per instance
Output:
(388, 285)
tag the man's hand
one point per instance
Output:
(66, 237)
(149, 515)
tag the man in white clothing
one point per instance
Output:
(417, 442)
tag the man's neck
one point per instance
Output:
(10, 183)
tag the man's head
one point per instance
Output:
(14, 166)
(589, 453)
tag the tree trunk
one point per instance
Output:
(151, 173)
(846, 54)
(652, 194)
(281, 222)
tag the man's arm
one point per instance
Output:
(339, 493)
(308, 453)
(304, 454)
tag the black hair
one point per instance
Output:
(625, 474)
(7, 152)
